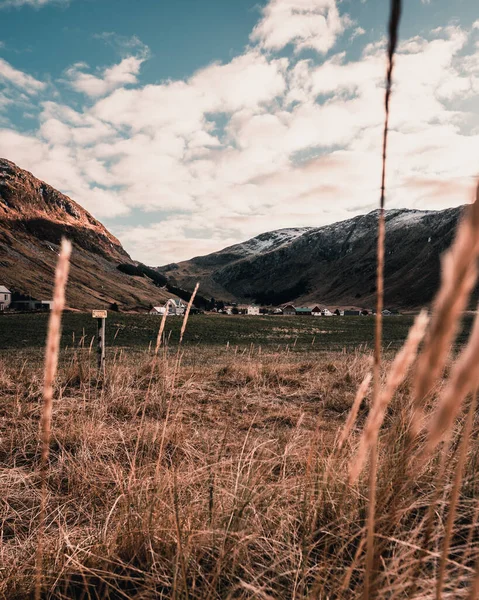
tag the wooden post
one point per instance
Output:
(100, 316)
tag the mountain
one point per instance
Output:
(334, 264)
(33, 218)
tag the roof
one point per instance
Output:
(177, 302)
(303, 309)
(4, 290)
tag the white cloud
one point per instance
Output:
(32, 3)
(357, 33)
(19, 79)
(124, 73)
(312, 24)
(262, 142)
(181, 106)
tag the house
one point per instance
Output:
(173, 305)
(339, 312)
(277, 311)
(178, 306)
(289, 310)
(303, 311)
(252, 310)
(316, 311)
(5, 298)
(327, 312)
(352, 313)
(31, 305)
(386, 313)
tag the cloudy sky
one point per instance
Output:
(190, 125)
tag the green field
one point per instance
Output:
(136, 332)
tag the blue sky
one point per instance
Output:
(186, 126)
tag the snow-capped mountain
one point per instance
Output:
(334, 264)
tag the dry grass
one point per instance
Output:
(246, 495)
(51, 363)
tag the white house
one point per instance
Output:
(47, 304)
(5, 297)
(173, 305)
(252, 310)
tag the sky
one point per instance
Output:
(191, 125)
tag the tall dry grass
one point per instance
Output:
(223, 480)
(51, 363)
(393, 29)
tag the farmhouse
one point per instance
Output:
(303, 311)
(5, 297)
(24, 303)
(289, 310)
(252, 310)
(179, 306)
(316, 311)
(174, 306)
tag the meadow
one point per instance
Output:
(216, 470)
(137, 332)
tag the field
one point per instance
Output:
(215, 470)
(137, 332)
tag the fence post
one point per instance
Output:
(100, 316)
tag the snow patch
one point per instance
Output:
(271, 240)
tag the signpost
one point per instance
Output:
(100, 316)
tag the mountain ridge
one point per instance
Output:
(33, 218)
(333, 264)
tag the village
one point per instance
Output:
(11, 302)
(177, 307)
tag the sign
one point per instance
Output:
(99, 314)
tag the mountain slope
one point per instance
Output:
(33, 218)
(334, 264)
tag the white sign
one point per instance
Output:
(99, 314)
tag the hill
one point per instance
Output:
(334, 264)
(33, 218)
